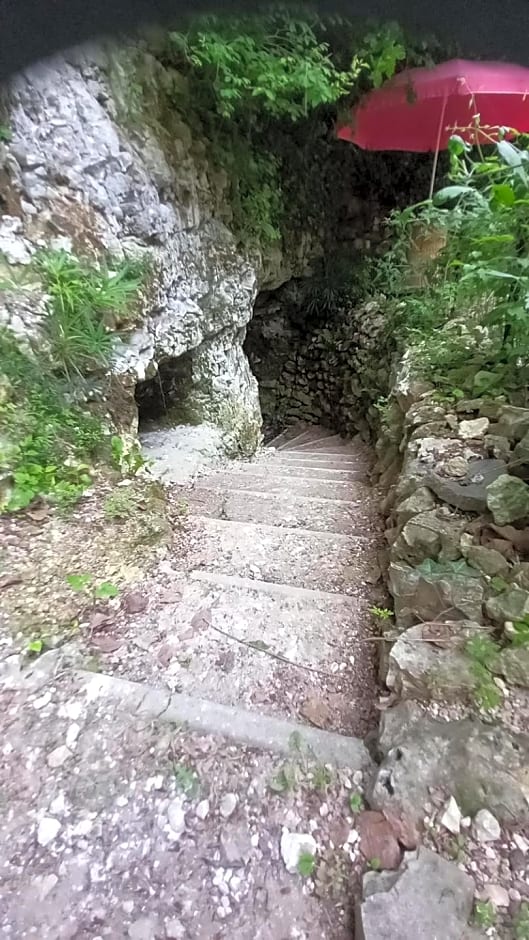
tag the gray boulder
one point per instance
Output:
(433, 534)
(428, 662)
(420, 501)
(481, 765)
(420, 596)
(487, 560)
(508, 499)
(468, 493)
(513, 664)
(513, 422)
(427, 898)
(509, 605)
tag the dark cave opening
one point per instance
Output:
(166, 398)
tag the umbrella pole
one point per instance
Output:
(437, 148)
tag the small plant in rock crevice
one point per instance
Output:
(86, 585)
(483, 651)
(306, 864)
(484, 914)
(381, 613)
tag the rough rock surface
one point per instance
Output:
(428, 898)
(482, 765)
(80, 168)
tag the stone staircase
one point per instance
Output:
(288, 562)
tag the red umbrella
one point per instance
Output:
(420, 109)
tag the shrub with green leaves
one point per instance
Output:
(474, 292)
(47, 444)
(85, 302)
(250, 79)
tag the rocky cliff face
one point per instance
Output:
(84, 172)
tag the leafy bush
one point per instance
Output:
(251, 79)
(47, 444)
(85, 302)
(473, 292)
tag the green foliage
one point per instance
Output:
(186, 780)
(306, 864)
(483, 651)
(381, 613)
(127, 458)
(47, 444)
(473, 292)
(85, 302)
(374, 864)
(356, 802)
(251, 79)
(85, 584)
(521, 922)
(5, 134)
(520, 633)
(484, 914)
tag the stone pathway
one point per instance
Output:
(272, 608)
(134, 804)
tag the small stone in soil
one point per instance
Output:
(228, 805)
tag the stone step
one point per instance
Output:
(287, 435)
(272, 467)
(210, 640)
(334, 445)
(268, 733)
(326, 561)
(313, 433)
(278, 483)
(330, 461)
(278, 509)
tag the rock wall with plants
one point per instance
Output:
(148, 191)
(453, 466)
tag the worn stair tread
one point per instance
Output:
(292, 458)
(279, 509)
(277, 483)
(237, 724)
(271, 468)
(287, 435)
(323, 560)
(275, 589)
(310, 434)
(211, 636)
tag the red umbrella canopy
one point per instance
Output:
(420, 109)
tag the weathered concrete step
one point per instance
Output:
(325, 561)
(236, 724)
(324, 447)
(278, 483)
(287, 435)
(289, 591)
(222, 641)
(279, 509)
(292, 472)
(310, 434)
(291, 458)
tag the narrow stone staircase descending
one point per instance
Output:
(285, 575)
